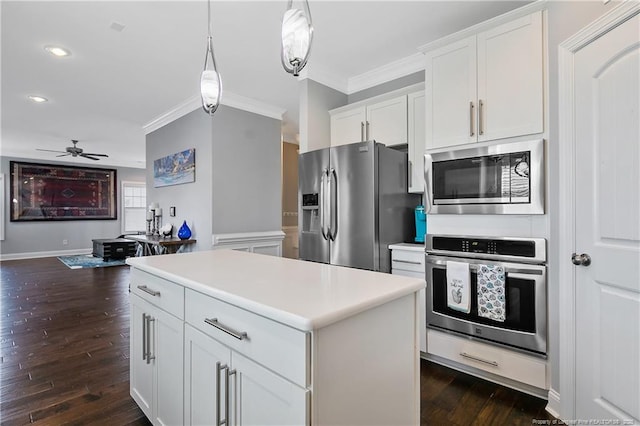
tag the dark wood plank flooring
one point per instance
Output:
(64, 356)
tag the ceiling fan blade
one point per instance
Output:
(95, 155)
(62, 155)
(88, 156)
(48, 150)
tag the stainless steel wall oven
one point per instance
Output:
(524, 323)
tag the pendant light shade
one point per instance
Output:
(297, 34)
(210, 81)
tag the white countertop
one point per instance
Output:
(304, 295)
(407, 246)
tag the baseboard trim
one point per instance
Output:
(553, 405)
(39, 254)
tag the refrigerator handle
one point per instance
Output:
(323, 203)
(334, 206)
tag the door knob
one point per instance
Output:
(581, 259)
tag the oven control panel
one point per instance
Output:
(493, 246)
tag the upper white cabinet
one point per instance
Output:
(416, 137)
(487, 86)
(384, 122)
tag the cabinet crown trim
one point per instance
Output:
(520, 12)
(385, 96)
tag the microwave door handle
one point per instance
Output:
(322, 203)
(334, 205)
(428, 183)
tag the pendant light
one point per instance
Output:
(297, 33)
(210, 82)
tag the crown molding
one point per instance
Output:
(329, 79)
(520, 12)
(388, 72)
(228, 99)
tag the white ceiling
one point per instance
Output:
(115, 82)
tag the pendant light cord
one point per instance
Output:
(209, 17)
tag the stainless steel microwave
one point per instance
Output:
(504, 178)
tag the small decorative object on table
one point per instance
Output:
(165, 231)
(184, 233)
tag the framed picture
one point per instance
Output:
(57, 192)
(175, 169)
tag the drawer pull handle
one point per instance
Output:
(148, 290)
(466, 355)
(407, 261)
(240, 335)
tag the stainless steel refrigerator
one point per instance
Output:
(353, 203)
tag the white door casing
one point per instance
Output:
(600, 181)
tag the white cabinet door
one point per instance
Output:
(450, 101)
(416, 136)
(348, 126)
(156, 359)
(140, 372)
(202, 353)
(387, 121)
(510, 87)
(264, 398)
(167, 337)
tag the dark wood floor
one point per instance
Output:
(64, 342)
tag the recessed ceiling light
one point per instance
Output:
(38, 99)
(57, 51)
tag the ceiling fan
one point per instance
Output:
(74, 151)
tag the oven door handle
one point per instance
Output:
(510, 271)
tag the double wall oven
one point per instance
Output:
(523, 323)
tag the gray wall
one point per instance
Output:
(191, 200)
(238, 173)
(247, 186)
(380, 89)
(26, 238)
(565, 19)
(315, 102)
(289, 183)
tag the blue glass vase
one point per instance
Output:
(184, 233)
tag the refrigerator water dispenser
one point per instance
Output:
(310, 213)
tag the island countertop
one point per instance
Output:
(304, 295)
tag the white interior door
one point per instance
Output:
(607, 225)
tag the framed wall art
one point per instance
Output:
(60, 192)
(175, 169)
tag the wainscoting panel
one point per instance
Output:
(269, 242)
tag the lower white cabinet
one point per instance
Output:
(408, 260)
(223, 386)
(156, 359)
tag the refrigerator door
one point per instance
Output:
(353, 193)
(313, 169)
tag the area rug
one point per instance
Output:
(88, 261)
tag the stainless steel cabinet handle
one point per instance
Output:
(367, 132)
(240, 335)
(227, 399)
(466, 355)
(471, 126)
(480, 117)
(407, 261)
(581, 259)
(144, 337)
(149, 356)
(410, 173)
(148, 290)
(219, 368)
(362, 131)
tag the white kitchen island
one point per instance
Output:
(229, 337)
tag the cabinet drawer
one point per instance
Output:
(278, 347)
(503, 362)
(164, 294)
(407, 260)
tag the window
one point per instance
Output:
(134, 206)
